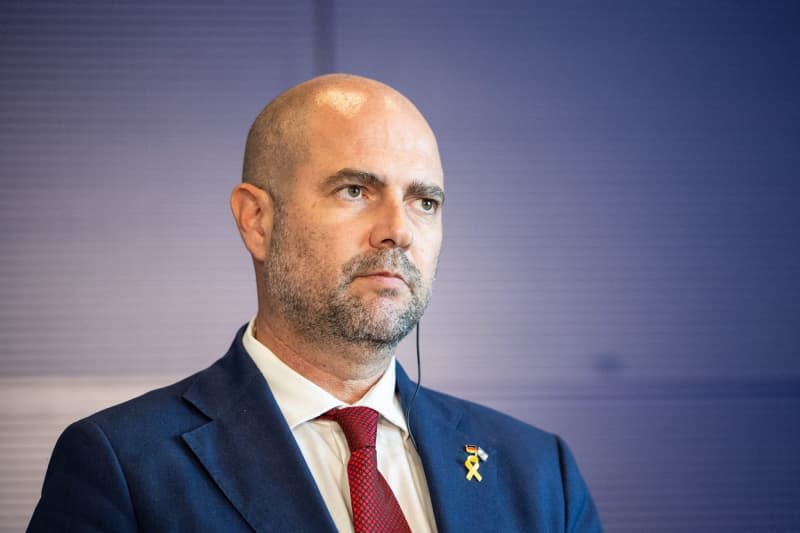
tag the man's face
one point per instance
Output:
(354, 248)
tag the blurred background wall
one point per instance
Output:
(622, 251)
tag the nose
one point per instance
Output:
(392, 228)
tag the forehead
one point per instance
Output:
(380, 134)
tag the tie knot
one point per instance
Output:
(359, 424)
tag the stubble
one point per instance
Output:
(331, 314)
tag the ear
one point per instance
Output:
(253, 211)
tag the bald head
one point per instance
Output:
(281, 137)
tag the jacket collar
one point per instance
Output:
(248, 449)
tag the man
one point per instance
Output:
(340, 208)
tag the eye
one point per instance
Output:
(428, 205)
(354, 191)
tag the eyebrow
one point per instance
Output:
(360, 177)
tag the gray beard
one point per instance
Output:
(334, 316)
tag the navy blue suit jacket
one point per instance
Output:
(214, 453)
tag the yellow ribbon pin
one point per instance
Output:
(472, 463)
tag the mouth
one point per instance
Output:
(385, 277)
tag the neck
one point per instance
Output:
(344, 369)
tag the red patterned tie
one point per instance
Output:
(375, 509)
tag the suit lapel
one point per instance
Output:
(249, 451)
(459, 504)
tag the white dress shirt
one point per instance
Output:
(324, 446)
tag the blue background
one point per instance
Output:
(622, 247)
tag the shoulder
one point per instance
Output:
(158, 404)
(141, 423)
(475, 417)
(147, 412)
(470, 417)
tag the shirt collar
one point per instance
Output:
(301, 400)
